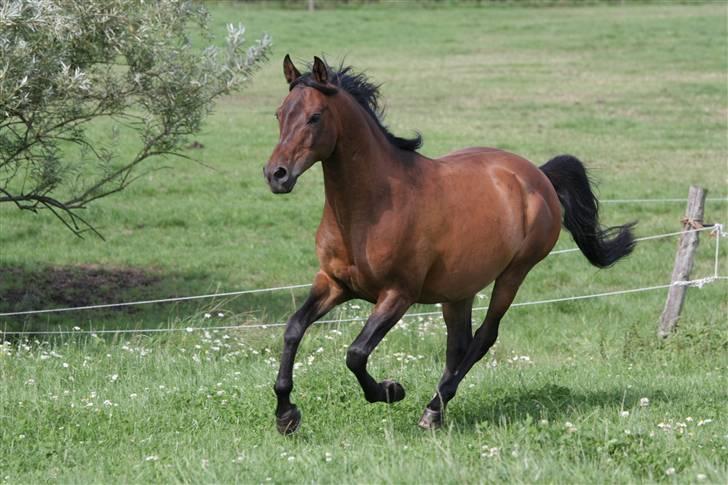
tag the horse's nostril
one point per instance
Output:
(280, 173)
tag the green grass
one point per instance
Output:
(198, 408)
(637, 92)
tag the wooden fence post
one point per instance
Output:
(683, 261)
(311, 5)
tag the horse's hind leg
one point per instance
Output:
(387, 312)
(458, 319)
(504, 291)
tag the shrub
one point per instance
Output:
(128, 68)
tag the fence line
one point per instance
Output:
(699, 283)
(657, 201)
(290, 287)
(656, 236)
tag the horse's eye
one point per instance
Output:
(314, 118)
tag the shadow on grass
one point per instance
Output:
(51, 287)
(24, 289)
(550, 401)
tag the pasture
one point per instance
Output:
(577, 391)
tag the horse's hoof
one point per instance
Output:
(393, 391)
(288, 422)
(430, 419)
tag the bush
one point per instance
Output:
(65, 64)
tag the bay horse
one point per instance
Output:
(399, 228)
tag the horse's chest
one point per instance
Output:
(365, 269)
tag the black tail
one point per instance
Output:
(602, 246)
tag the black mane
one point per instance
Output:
(365, 93)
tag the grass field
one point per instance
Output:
(637, 92)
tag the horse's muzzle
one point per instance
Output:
(280, 179)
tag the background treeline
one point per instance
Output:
(327, 4)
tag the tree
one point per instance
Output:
(70, 69)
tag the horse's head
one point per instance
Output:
(306, 124)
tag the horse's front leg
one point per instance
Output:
(325, 294)
(390, 307)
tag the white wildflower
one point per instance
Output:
(489, 452)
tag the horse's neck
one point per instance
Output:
(359, 178)
(364, 175)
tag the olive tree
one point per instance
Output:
(70, 69)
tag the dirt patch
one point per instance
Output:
(56, 286)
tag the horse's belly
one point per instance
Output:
(455, 282)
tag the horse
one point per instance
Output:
(399, 228)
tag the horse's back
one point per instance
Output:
(491, 157)
(474, 162)
(504, 182)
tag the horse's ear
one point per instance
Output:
(320, 71)
(289, 70)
